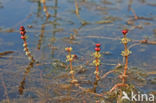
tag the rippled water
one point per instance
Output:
(99, 21)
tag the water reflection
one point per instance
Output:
(31, 64)
(22, 83)
(53, 38)
(45, 9)
(1, 5)
(41, 37)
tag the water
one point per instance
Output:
(99, 21)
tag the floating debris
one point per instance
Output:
(6, 53)
(104, 22)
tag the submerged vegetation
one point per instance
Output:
(61, 66)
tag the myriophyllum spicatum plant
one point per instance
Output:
(25, 44)
(125, 54)
(69, 58)
(96, 62)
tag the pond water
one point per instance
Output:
(98, 21)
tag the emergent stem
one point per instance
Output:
(126, 63)
(97, 70)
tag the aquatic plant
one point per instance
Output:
(45, 9)
(125, 54)
(41, 37)
(25, 44)
(30, 57)
(70, 58)
(96, 62)
(76, 8)
(22, 83)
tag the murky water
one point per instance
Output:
(98, 21)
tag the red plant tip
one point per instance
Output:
(68, 49)
(97, 49)
(23, 33)
(98, 45)
(22, 28)
(22, 37)
(75, 56)
(125, 31)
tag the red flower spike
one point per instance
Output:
(68, 50)
(97, 49)
(98, 45)
(23, 33)
(22, 28)
(22, 37)
(75, 56)
(125, 31)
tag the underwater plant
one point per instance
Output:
(45, 9)
(30, 57)
(70, 58)
(41, 37)
(25, 44)
(76, 8)
(125, 54)
(96, 62)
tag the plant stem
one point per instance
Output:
(71, 67)
(76, 8)
(126, 63)
(97, 70)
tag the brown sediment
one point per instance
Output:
(90, 91)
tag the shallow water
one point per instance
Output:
(99, 21)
